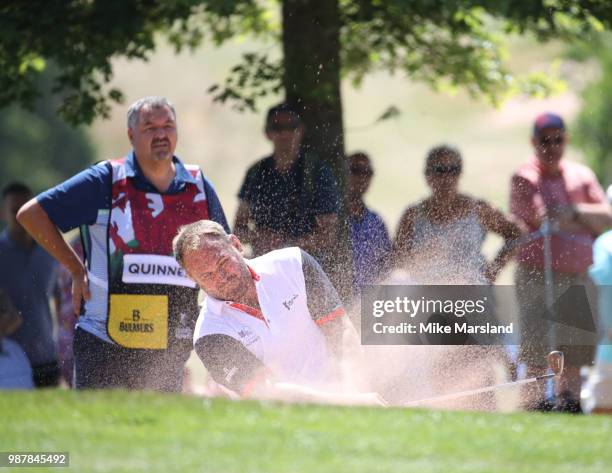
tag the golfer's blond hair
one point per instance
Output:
(190, 237)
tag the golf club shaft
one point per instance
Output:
(471, 392)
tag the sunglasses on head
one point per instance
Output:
(360, 171)
(444, 170)
(549, 140)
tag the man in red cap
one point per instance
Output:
(569, 196)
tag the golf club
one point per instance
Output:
(555, 363)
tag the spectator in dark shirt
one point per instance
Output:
(15, 369)
(29, 277)
(288, 198)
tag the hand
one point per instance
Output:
(80, 289)
(562, 214)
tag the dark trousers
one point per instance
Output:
(47, 375)
(102, 365)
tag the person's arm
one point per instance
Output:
(328, 313)
(56, 293)
(402, 246)
(325, 208)
(241, 223)
(10, 318)
(323, 235)
(324, 304)
(38, 224)
(593, 218)
(523, 195)
(68, 205)
(495, 221)
(597, 217)
(215, 209)
(261, 240)
(383, 249)
(230, 364)
(596, 213)
(235, 367)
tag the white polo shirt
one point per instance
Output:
(284, 335)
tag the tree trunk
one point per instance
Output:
(311, 48)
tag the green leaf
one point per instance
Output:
(32, 63)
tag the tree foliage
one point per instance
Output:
(38, 147)
(82, 37)
(593, 132)
(447, 43)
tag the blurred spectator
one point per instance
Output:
(369, 237)
(66, 317)
(596, 395)
(15, 369)
(288, 198)
(29, 277)
(439, 240)
(569, 195)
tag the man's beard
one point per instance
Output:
(161, 154)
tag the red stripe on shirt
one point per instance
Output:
(254, 275)
(339, 312)
(249, 311)
(259, 378)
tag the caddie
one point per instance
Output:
(137, 307)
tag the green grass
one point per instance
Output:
(144, 432)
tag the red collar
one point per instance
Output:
(247, 309)
(254, 275)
